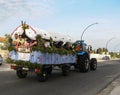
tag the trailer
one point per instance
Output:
(44, 57)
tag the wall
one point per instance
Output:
(4, 53)
(100, 56)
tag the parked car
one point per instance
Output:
(1, 60)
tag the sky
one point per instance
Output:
(70, 17)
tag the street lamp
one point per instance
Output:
(116, 46)
(109, 42)
(87, 28)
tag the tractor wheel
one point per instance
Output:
(65, 70)
(49, 70)
(21, 73)
(93, 64)
(84, 63)
(42, 76)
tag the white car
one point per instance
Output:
(1, 60)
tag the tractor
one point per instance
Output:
(83, 61)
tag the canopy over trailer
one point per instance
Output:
(32, 32)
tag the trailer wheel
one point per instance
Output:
(42, 76)
(49, 70)
(93, 64)
(83, 63)
(65, 70)
(21, 73)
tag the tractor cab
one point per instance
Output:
(80, 45)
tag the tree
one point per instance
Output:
(7, 42)
(99, 50)
(102, 50)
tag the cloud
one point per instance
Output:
(33, 8)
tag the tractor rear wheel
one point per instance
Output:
(83, 63)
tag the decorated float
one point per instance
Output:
(44, 51)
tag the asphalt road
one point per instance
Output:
(76, 83)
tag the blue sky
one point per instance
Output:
(69, 17)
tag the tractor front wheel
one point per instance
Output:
(93, 64)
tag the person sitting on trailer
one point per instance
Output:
(60, 44)
(15, 41)
(27, 43)
(67, 46)
(47, 44)
(33, 43)
(20, 43)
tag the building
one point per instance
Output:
(2, 40)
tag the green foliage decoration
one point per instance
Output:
(23, 63)
(51, 49)
(10, 61)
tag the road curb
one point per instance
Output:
(112, 87)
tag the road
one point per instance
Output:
(76, 83)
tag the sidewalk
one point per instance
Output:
(5, 67)
(113, 88)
